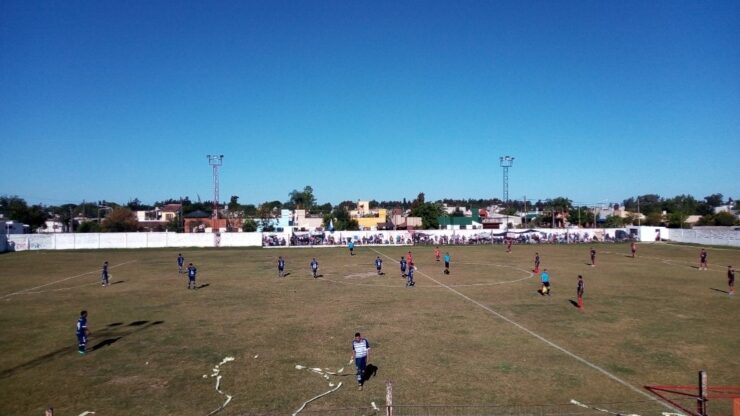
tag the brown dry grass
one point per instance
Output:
(650, 320)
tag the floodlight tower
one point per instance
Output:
(506, 163)
(216, 161)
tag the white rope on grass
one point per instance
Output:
(325, 373)
(317, 397)
(216, 373)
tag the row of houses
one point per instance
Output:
(454, 217)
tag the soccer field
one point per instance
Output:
(481, 335)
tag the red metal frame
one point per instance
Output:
(713, 392)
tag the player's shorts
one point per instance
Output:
(546, 284)
(447, 264)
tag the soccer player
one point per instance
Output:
(633, 248)
(104, 274)
(410, 277)
(536, 262)
(447, 263)
(82, 333)
(545, 279)
(508, 245)
(593, 257)
(436, 253)
(314, 267)
(403, 267)
(379, 264)
(361, 354)
(731, 280)
(180, 262)
(192, 271)
(351, 247)
(281, 266)
(409, 258)
(579, 291)
(703, 260)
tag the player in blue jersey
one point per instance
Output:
(403, 267)
(410, 277)
(447, 262)
(104, 275)
(314, 267)
(82, 333)
(545, 279)
(192, 271)
(180, 262)
(351, 247)
(281, 266)
(379, 265)
(361, 355)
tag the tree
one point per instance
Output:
(714, 200)
(249, 225)
(654, 219)
(428, 212)
(725, 218)
(233, 205)
(685, 204)
(581, 216)
(16, 209)
(120, 220)
(614, 221)
(265, 215)
(342, 220)
(677, 219)
(303, 199)
(89, 227)
(136, 205)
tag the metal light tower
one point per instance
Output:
(215, 161)
(506, 163)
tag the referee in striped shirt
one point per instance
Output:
(360, 353)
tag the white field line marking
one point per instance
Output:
(60, 289)
(87, 412)
(577, 403)
(543, 339)
(62, 280)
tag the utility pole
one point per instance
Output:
(215, 161)
(506, 162)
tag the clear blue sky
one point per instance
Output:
(596, 100)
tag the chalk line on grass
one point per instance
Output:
(317, 397)
(63, 280)
(541, 338)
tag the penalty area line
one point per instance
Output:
(541, 338)
(61, 280)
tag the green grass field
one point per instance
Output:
(482, 335)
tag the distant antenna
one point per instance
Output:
(216, 161)
(506, 163)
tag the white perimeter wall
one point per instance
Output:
(67, 241)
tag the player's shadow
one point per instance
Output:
(370, 371)
(719, 290)
(286, 275)
(117, 282)
(381, 274)
(574, 303)
(112, 333)
(319, 275)
(203, 286)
